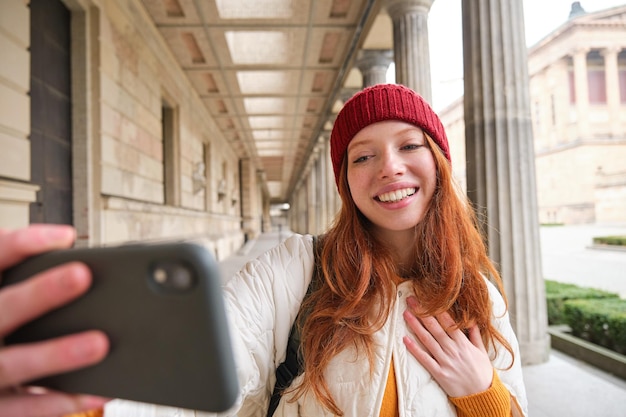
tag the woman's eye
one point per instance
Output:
(411, 147)
(361, 159)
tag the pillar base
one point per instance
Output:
(535, 352)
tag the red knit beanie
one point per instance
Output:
(383, 102)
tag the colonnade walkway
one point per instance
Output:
(563, 386)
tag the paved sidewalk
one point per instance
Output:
(568, 256)
(563, 386)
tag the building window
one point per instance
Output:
(622, 85)
(597, 85)
(209, 197)
(553, 109)
(537, 118)
(171, 174)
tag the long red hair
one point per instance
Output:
(358, 272)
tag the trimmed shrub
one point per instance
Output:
(557, 293)
(599, 321)
(610, 240)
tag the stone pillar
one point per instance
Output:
(410, 44)
(266, 225)
(323, 183)
(581, 88)
(311, 197)
(500, 161)
(344, 95)
(333, 202)
(251, 209)
(611, 72)
(373, 64)
(304, 213)
(314, 202)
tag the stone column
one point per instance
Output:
(334, 201)
(311, 198)
(266, 224)
(410, 44)
(331, 196)
(303, 203)
(373, 64)
(250, 207)
(317, 203)
(581, 88)
(611, 72)
(323, 174)
(500, 161)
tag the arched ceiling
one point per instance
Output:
(270, 71)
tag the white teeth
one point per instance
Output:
(397, 195)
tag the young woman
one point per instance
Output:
(405, 319)
(406, 316)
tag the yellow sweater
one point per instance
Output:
(94, 413)
(494, 402)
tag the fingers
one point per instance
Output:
(48, 404)
(22, 302)
(22, 363)
(438, 329)
(433, 348)
(459, 363)
(19, 244)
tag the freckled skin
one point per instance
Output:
(387, 156)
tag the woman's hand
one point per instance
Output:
(459, 363)
(21, 303)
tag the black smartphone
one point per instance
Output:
(161, 306)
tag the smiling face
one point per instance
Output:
(392, 176)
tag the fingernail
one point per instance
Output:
(74, 277)
(87, 348)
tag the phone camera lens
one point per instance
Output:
(160, 275)
(172, 277)
(181, 279)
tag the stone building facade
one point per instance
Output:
(145, 160)
(577, 80)
(101, 127)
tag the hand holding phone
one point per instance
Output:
(161, 307)
(28, 300)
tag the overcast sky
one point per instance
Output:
(446, 51)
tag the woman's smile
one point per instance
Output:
(392, 174)
(395, 196)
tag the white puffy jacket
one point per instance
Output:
(262, 301)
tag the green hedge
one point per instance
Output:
(558, 293)
(600, 321)
(610, 240)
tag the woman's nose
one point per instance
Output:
(390, 165)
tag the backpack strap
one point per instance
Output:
(293, 363)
